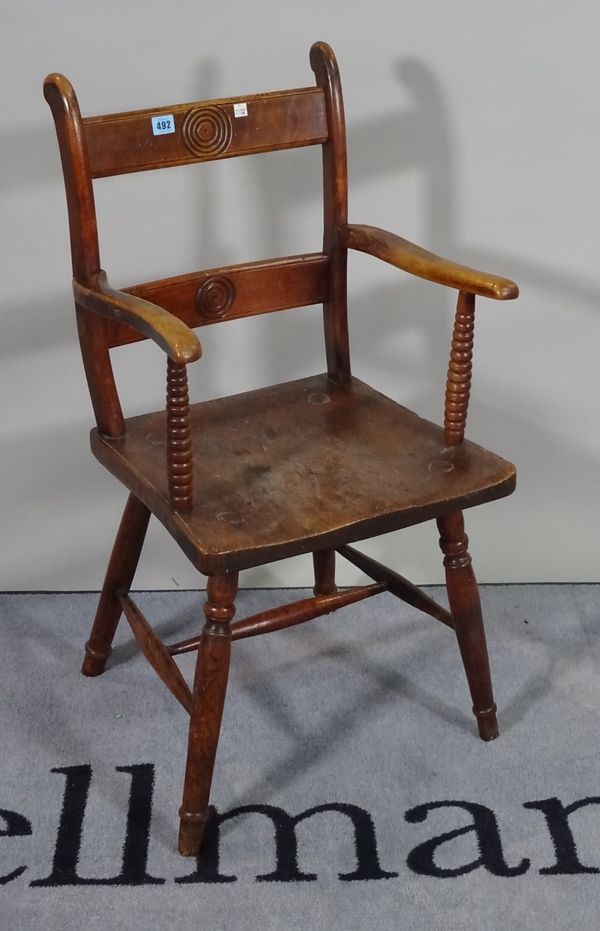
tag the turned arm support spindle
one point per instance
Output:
(468, 281)
(180, 459)
(458, 382)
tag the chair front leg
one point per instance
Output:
(465, 607)
(119, 576)
(208, 699)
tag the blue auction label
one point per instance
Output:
(161, 125)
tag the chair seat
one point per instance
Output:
(299, 466)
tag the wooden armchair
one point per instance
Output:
(308, 466)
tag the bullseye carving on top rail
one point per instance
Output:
(215, 297)
(207, 131)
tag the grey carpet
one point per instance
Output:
(365, 711)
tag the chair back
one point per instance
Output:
(118, 143)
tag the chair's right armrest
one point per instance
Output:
(169, 332)
(417, 261)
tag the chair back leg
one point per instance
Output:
(119, 576)
(324, 568)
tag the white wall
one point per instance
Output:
(473, 128)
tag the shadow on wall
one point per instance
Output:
(383, 322)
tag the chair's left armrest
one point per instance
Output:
(173, 336)
(416, 261)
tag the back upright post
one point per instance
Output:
(335, 207)
(85, 254)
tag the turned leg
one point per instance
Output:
(119, 575)
(465, 607)
(324, 566)
(210, 685)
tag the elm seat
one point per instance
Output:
(309, 466)
(299, 464)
